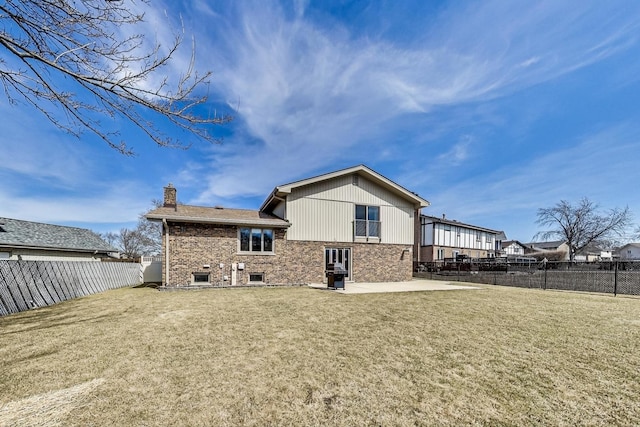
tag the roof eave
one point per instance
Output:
(221, 221)
(458, 224)
(277, 195)
(54, 248)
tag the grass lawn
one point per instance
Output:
(297, 356)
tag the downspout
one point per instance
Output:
(166, 251)
(418, 245)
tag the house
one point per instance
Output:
(629, 252)
(513, 248)
(555, 251)
(500, 237)
(26, 240)
(593, 253)
(442, 238)
(355, 217)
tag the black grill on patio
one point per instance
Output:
(335, 276)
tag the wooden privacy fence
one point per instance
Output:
(31, 284)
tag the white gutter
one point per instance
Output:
(273, 223)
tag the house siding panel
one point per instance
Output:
(451, 237)
(280, 211)
(325, 211)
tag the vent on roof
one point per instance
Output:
(2, 230)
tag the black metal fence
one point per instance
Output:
(612, 277)
(31, 284)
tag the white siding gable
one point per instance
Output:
(629, 251)
(325, 211)
(514, 249)
(456, 235)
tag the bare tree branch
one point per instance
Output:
(49, 43)
(582, 224)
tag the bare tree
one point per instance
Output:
(130, 243)
(144, 240)
(111, 238)
(50, 43)
(582, 224)
(150, 231)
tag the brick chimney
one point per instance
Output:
(170, 197)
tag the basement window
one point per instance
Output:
(256, 278)
(201, 277)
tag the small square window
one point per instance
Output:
(256, 278)
(367, 221)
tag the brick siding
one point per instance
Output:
(192, 246)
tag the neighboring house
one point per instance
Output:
(593, 253)
(629, 252)
(500, 237)
(606, 256)
(443, 238)
(559, 247)
(513, 248)
(355, 217)
(26, 240)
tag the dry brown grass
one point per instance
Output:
(297, 356)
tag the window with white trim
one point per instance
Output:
(367, 223)
(256, 240)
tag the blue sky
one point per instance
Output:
(489, 110)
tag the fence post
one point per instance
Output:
(615, 280)
(545, 276)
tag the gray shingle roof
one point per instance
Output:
(459, 224)
(26, 234)
(546, 245)
(200, 214)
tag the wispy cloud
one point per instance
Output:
(51, 177)
(314, 90)
(457, 154)
(323, 93)
(107, 204)
(581, 170)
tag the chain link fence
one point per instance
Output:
(611, 277)
(30, 284)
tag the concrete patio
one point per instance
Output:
(383, 287)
